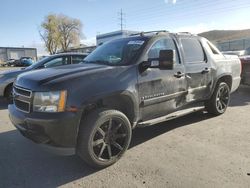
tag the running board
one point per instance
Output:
(170, 116)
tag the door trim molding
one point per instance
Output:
(162, 98)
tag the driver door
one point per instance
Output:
(161, 91)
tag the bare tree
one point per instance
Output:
(59, 32)
(49, 33)
(70, 31)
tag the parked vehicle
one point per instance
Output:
(245, 63)
(23, 62)
(236, 52)
(91, 108)
(9, 62)
(8, 77)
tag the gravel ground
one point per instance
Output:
(193, 151)
(8, 68)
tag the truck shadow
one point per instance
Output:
(3, 104)
(24, 164)
(141, 135)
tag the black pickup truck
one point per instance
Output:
(91, 108)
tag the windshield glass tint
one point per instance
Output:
(118, 52)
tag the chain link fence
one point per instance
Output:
(234, 45)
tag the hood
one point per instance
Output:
(37, 78)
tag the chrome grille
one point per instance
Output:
(22, 99)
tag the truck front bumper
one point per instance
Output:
(57, 130)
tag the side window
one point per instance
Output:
(57, 62)
(77, 59)
(162, 44)
(193, 52)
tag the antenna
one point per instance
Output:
(121, 19)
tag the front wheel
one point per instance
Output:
(103, 138)
(9, 94)
(219, 101)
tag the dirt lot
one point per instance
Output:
(8, 68)
(194, 151)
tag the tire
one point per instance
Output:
(8, 94)
(219, 101)
(104, 136)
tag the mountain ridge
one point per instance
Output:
(225, 35)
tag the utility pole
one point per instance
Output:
(121, 19)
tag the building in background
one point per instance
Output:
(81, 49)
(100, 39)
(7, 53)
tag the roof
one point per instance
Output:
(19, 48)
(69, 53)
(115, 33)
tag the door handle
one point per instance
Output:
(179, 74)
(206, 70)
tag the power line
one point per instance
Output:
(141, 16)
(199, 13)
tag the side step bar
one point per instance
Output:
(170, 116)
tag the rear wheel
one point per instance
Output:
(104, 136)
(219, 101)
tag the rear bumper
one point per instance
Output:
(58, 130)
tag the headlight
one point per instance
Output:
(54, 101)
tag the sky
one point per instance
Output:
(20, 20)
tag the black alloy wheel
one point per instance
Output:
(110, 139)
(222, 98)
(104, 136)
(219, 101)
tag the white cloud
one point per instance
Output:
(170, 1)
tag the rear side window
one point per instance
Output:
(193, 52)
(77, 59)
(59, 61)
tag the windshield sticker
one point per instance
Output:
(134, 42)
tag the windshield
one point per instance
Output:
(117, 52)
(38, 63)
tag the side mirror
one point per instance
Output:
(165, 61)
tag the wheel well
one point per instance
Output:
(6, 89)
(227, 79)
(121, 103)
